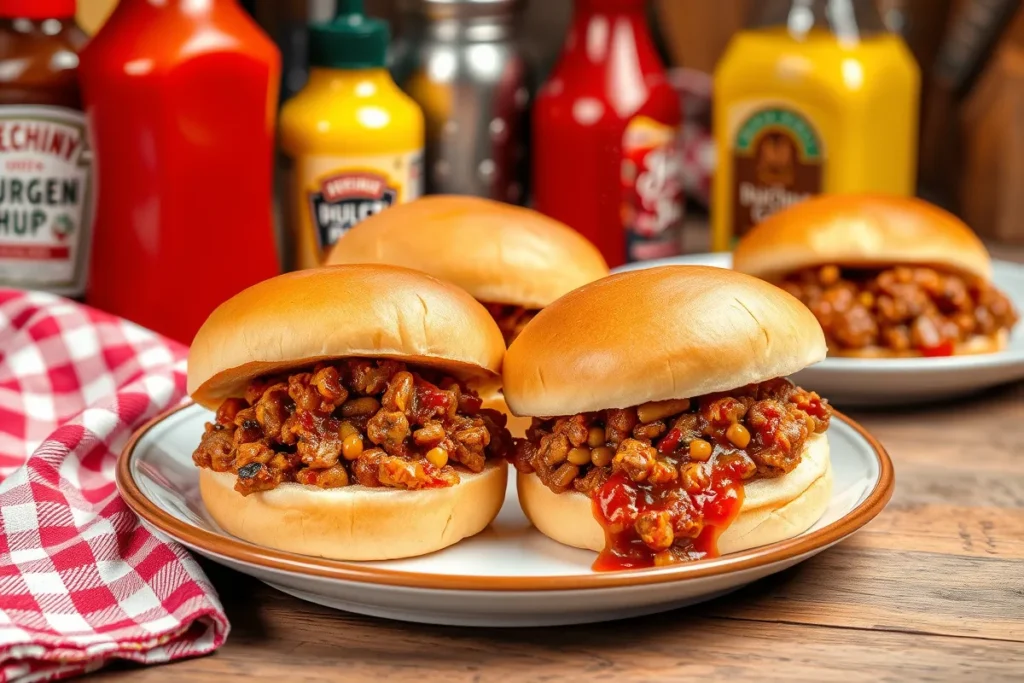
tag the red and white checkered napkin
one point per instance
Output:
(81, 581)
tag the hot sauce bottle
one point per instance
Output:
(606, 158)
(181, 97)
(45, 161)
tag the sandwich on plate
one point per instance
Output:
(346, 422)
(664, 429)
(885, 276)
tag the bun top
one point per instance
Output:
(651, 335)
(498, 253)
(861, 231)
(341, 311)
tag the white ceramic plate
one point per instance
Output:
(509, 575)
(895, 381)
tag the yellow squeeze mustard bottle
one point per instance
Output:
(354, 141)
(816, 98)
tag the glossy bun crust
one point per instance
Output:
(498, 253)
(861, 231)
(656, 334)
(342, 311)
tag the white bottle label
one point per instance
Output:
(46, 187)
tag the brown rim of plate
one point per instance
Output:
(235, 549)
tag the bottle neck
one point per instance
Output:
(464, 22)
(849, 20)
(596, 24)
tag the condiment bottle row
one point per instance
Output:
(163, 209)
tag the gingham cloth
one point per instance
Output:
(81, 581)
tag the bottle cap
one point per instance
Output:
(350, 41)
(37, 9)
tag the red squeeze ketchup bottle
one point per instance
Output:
(606, 154)
(181, 97)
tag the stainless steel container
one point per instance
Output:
(461, 61)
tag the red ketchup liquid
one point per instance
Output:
(938, 351)
(621, 500)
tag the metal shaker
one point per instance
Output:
(461, 61)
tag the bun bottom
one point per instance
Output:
(516, 425)
(356, 522)
(992, 343)
(773, 509)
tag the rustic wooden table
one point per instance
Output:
(933, 589)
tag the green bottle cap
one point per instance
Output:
(351, 41)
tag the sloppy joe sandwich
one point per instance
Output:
(885, 276)
(513, 260)
(664, 428)
(347, 424)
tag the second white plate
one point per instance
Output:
(894, 381)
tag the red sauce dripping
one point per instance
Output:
(619, 502)
(943, 349)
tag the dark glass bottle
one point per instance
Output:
(45, 161)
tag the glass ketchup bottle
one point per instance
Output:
(605, 156)
(180, 97)
(46, 182)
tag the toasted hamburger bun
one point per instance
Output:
(657, 334)
(356, 522)
(498, 253)
(374, 311)
(362, 311)
(866, 231)
(773, 509)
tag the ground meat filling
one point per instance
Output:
(904, 309)
(511, 319)
(369, 422)
(666, 477)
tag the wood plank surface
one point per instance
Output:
(279, 638)
(932, 590)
